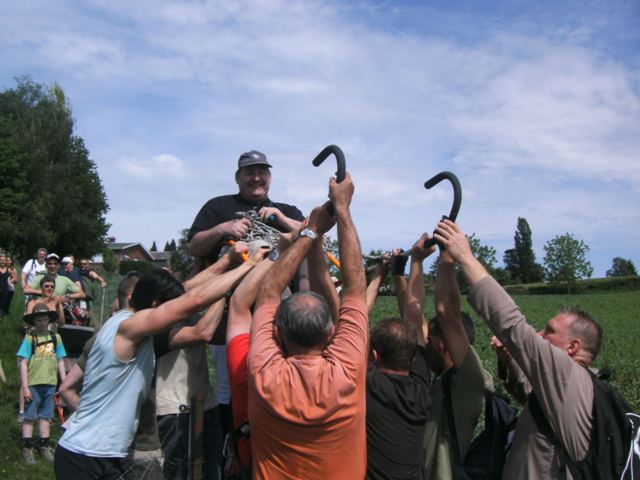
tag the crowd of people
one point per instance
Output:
(304, 389)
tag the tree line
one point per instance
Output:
(50, 191)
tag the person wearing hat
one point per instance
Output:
(217, 220)
(41, 361)
(64, 287)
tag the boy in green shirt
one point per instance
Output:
(40, 355)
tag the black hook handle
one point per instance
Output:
(457, 199)
(342, 167)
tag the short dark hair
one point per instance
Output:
(47, 278)
(467, 323)
(396, 342)
(155, 286)
(586, 329)
(304, 319)
(126, 286)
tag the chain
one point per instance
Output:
(259, 230)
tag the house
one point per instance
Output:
(161, 259)
(124, 251)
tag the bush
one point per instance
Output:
(109, 262)
(141, 266)
(582, 286)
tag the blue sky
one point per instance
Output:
(534, 105)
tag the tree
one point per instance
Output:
(565, 260)
(173, 247)
(484, 253)
(154, 247)
(180, 260)
(167, 247)
(50, 192)
(622, 268)
(521, 260)
(109, 261)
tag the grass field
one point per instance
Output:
(618, 312)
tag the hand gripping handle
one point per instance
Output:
(457, 198)
(342, 168)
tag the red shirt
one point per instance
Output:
(237, 353)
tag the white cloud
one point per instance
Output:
(537, 113)
(163, 165)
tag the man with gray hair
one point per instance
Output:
(307, 375)
(554, 362)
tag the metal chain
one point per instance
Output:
(259, 230)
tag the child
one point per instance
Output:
(39, 354)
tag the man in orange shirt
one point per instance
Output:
(307, 375)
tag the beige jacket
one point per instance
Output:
(563, 388)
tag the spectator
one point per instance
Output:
(53, 303)
(64, 287)
(7, 296)
(306, 374)
(33, 267)
(87, 278)
(40, 353)
(554, 362)
(120, 370)
(5, 280)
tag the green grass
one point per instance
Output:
(11, 465)
(617, 312)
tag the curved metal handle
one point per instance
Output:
(342, 167)
(457, 198)
(328, 150)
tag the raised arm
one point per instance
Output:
(398, 262)
(447, 295)
(201, 332)
(320, 279)
(415, 295)
(458, 247)
(349, 246)
(319, 222)
(231, 258)
(151, 321)
(373, 288)
(244, 296)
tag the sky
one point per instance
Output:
(535, 106)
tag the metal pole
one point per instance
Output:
(102, 306)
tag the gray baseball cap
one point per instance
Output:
(253, 157)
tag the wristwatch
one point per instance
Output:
(307, 232)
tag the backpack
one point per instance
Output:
(35, 344)
(487, 452)
(614, 449)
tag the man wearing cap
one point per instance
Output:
(64, 286)
(217, 220)
(68, 270)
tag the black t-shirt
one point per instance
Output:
(73, 275)
(397, 411)
(222, 209)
